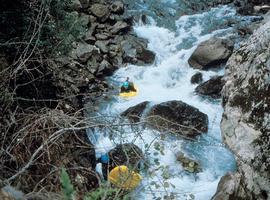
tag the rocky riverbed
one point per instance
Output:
(169, 116)
(110, 43)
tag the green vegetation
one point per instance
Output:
(67, 187)
(104, 191)
(62, 27)
(47, 26)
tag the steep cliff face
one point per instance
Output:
(246, 120)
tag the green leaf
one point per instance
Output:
(67, 187)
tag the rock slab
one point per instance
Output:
(211, 53)
(178, 117)
(211, 87)
(134, 113)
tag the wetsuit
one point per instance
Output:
(127, 87)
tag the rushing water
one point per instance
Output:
(169, 79)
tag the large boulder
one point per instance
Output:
(145, 56)
(126, 154)
(211, 87)
(178, 117)
(245, 124)
(211, 53)
(135, 51)
(135, 113)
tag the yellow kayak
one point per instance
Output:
(124, 178)
(129, 94)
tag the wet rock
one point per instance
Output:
(120, 26)
(105, 69)
(211, 53)
(84, 51)
(227, 187)
(262, 9)
(135, 51)
(188, 164)
(117, 61)
(126, 154)
(179, 118)
(145, 56)
(128, 18)
(144, 19)
(196, 78)
(211, 87)
(244, 31)
(117, 7)
(129, 52)
(101, 11)
(134, 113)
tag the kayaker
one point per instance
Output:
(104, 160)
(127, 86)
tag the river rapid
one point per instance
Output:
(169, 79)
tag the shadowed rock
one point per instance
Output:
(178, 117)
(126, 154)
(135, 51)
(211, 53)
(117, 7)
(120, 26)
(84, 51)
(134, 113)
(211, 87)
(196, 78)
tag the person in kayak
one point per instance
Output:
(105, 163)
(127, 86)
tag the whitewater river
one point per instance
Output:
(169, 79)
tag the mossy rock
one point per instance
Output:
(188, 164)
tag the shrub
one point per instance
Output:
(67, 187)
